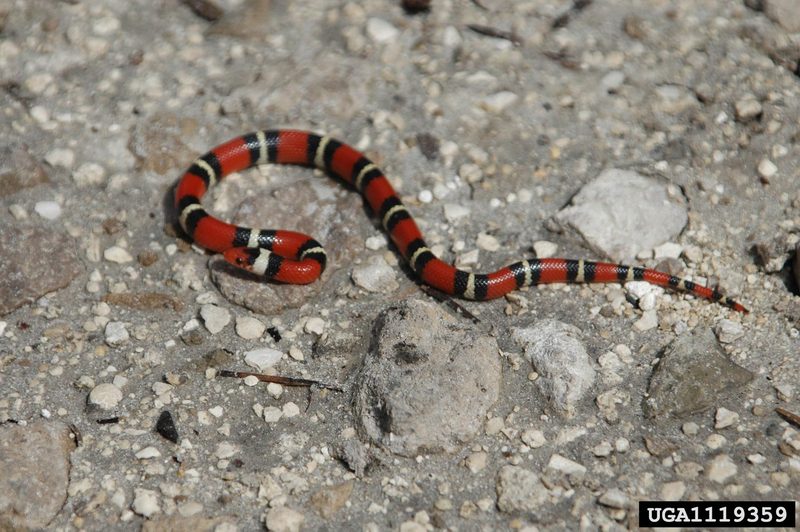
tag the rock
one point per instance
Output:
(309, 206)
(544, 249)
(773, 252)
(49, 210)
(747, 109)
(145, 502)
(721, 468)
(615, 498)
(315, 325)
(767, 169)
(354, 454)
(330, 499)
(558, 355)
(649, 320)
(427, 382)
(566, 466)
(381, 31)
(116, 334)
(520, 490)
(725, 418)
(105, 396)
(673, 491)
(214, 318)
(284, 519)
(262, 358)
(612, 81)
(533, 438)
(783, 12)
(621, 213)
(728, 331)
(34, 473)
(117, 255)
(19, 170)
(499, 101)
(376, 275)
(24, 276)
(249, 328)
(165, 426)
(692, 375)
(182, 523)
(157, 143)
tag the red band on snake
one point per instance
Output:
(295, 258)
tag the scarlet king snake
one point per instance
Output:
(295, 258)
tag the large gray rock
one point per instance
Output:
(557, 353)
(692, 375)
(622, 212)
(34, 473)
(427, 382)
(27, 269)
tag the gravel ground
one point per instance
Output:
(665, 134)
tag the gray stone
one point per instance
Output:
(556, 351)
(19, 170)
(692, 375)
(784, 12)
(427, 382)
(34, 473)
(24, 275)
(520, 490)
(621, 213)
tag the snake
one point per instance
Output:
(295, 258)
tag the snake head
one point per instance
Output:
(241, 257)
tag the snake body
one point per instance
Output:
(296, 258)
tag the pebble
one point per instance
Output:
(296, 353)
(499, 101)
(649, 320)
(487, 242)
(290, 409)
(544, 249)
(375, 276)
(721, 468)
(533, 438)
(767, 168)
(673, 491)
(214, 318)
(63, 157)
(725, 418)
(615, 498)
(315, 325)
(145, 502)
(272, 414)
(565, 465)
(105, 396)
(117, 255)
(559, 357)
(284, 519)
(49, 210)
(612, 81)
(375, 242)
(453, 212)
(519, 490)
(380, 30)
(116, 334)
(476, 462)
(251, 380)
(747, 109)
(262, 358)
(89, 174)
(728, 331)
(668, 250)
(275, 390)
(249, 328)
(148, 452)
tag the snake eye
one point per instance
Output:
(239, 260)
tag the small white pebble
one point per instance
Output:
(290, 409)
(116, 334)
(375, 243)
(499, 101)
(148, 452)
(262, 358)
(49, 210)
(272, 414)
(381, 31)
(544, 249)
(767, 168)
(145, 502)
(105, 396)
(425, 196)
(63, 157)
(488, 242)
(725, 418)
(315, 325)
(117, 254)
(275, 390)
(296, 353)
(249, 328)
(251, 380)
(214, 318)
